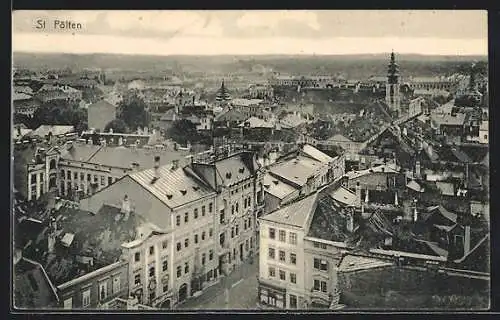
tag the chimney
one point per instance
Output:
(358, 193)
(157, 167)
(125, 207)
(175, 164)
(350, 222)
(466, 239)
(417, 169)
(51, 241)
(367, 199)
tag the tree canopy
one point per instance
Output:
(118, 126)
(184, 131)
(132, 110)
(59, 113)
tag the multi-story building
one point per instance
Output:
(77, 169)
(200, 224)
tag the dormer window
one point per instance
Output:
(228, 175)
(183, 192)
(241, 170)
(169, 196)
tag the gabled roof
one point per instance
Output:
(101, 104)
(234, 169)
(18, 96)
(387, 168)
(277, 188)
(350, 263)
(344, 196)
(56, 130)
(254, 122)
(174, 187)
(316, 154)
(339, 138)
(32, 287)
(297, 171)
(295, 214)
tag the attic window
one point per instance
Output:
(196, 188)
(154, 180)
(169, 196)
(183, 192)
(275, 181)
(241, 170)
(228, 175)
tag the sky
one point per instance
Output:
(245, 32)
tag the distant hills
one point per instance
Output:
(354, 65)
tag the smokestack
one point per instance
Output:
(350, 222)
(157, 167)
(358, 193)
(466, 239)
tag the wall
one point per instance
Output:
(100, 115)
(265, 262)
(142, 201)
(108, 274)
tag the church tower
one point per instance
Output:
(392, 95)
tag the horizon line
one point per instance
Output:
(252, 54)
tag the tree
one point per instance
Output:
(118, 126)
(60, 113)
(132, 110)
(184, 131)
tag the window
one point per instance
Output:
(151, 250)
(323, 245)
(282, 275)
(137, 257)
(165, 287)
(69, 175)
(293, 301)
(178, 220)
(232, 209)
(179, 271)
(323, 265)
(245, 225)
(82, 176)
(195, 238)
(293, 278)
(68, 303)
(293, 258)
(95, 178)
(116, 284)
(164, 244)
(237, 229)
(75, 175)
(251, 242)
(195, 213)
(272, 233)
(232, 232)
(137, 279)
(186, 243)
(211, 255)
(316, 244)
(152, 271)
(293, 238)
(210, 207)
(271, 253)
(165, 265)
(250, 222)
(179, 246)
(282, 256)
(89, 177)
(210, 232)
(186, 268)
(237, 204)
(102, 180)
(203, 259)
(203, 211)
(110, 180)
(203, 235)
(246, 244)
(186, 217)
(245, 203)
(86, 298)
(272, 272)
(319, 285)
(152, 296)
(222, 218)
(282, 235)
(103, 290)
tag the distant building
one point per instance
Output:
(392, 94)
(24, 103)
(100, 114)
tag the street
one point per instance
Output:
(242, 286)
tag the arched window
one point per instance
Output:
(52, 164)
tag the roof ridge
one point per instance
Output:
(94, 154)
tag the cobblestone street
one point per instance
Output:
(242, 284)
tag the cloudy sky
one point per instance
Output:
(255, 32)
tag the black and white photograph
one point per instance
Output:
(262, 160)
